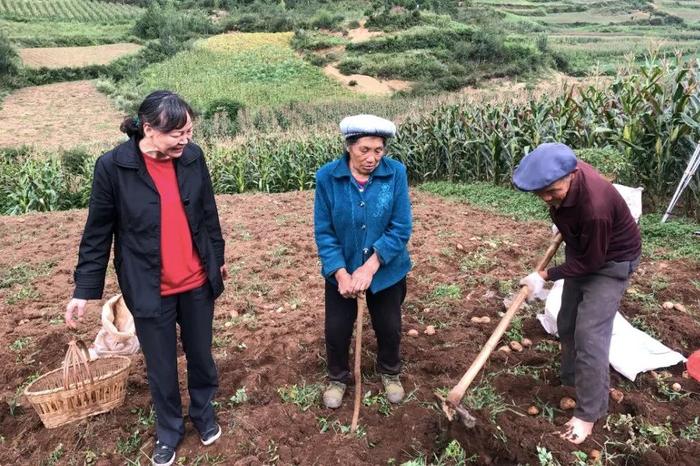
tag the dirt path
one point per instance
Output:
(59, 115)
(60, 57)
(362, 34)
(367, 84)
(269, 336)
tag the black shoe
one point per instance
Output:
(211, 435)
(163, 455)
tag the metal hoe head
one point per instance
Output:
(456, 412)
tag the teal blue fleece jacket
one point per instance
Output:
(350, 225)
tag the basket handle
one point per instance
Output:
(76, 369)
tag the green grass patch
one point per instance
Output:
(64, 33)
(671, 240)
(24, 274)
(447, 292)
(497, 199)
(256, 69)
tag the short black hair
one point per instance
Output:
(350, 140)
(163, 110)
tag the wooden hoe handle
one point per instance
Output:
(361, 307)
(457, 393)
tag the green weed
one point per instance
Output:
(485, 396)
(545, 457)
(55, 456)
(691, 431)
(20, 344)
(304, 395)
(547, 346)
(447, 292)
(208, 459)
(666, 390)
(383, 405)
(239, 397)
(13, 402)
(24, 274)
(145, 418)
(515, 331)
(326, 425)
(640, 321)
(130, 444)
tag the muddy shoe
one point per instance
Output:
(163, 455)
(333, 396)
(392, 387)
(211, 435)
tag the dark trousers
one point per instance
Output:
(585, 322)
(385, 311)
(194, 312)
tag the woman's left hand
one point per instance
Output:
(224, 272)
(362, 277)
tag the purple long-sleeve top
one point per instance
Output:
(596, 224)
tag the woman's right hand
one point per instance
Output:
(344, 280)
(75, 306)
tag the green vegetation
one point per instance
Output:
(485, 396)
(447, 292)
(326, 425)
(669, 240)
(646, 131)
(497, 199)
(304, 395)
(641, 434)
(65, 34)
(239, 397)
(19, 280)
(258, 69)
(68, 10)
(445, 57)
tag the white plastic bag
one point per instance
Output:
(633, 198)
(118, 333)
(631, 350)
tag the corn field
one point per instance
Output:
(649, 118)
(88, 11)
(651, 115)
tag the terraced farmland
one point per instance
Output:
(68, 10)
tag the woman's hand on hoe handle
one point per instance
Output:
(362, 277)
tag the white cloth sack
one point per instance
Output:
(118, 333)
(631, 350)
(633, 198)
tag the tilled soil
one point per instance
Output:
(269, 335)
(54, 116)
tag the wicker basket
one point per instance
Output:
(81, 388)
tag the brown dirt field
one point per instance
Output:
(277, 340)
(62, 57)
(58, 115)
(367, 84)
(362, 34)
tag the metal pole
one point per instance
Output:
(690, 170)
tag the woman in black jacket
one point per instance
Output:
(153, 195)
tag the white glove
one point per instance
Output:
(535, 285)
(555, 230)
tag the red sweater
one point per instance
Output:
(181, 269)
(596, 225)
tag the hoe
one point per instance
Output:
(451, 405)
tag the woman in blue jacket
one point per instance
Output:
(362, 223)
